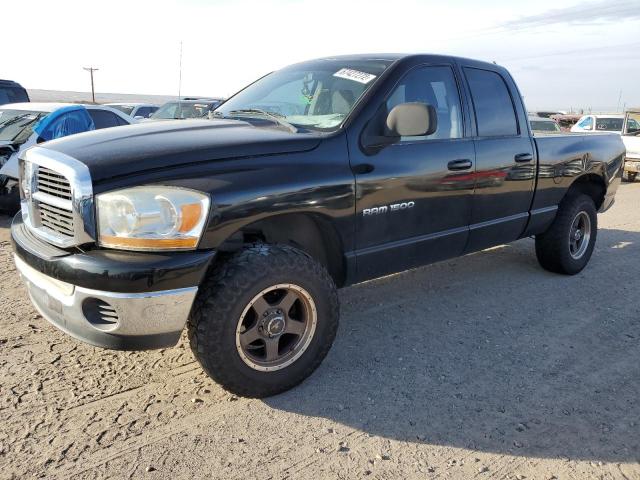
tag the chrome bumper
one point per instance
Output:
(632, 164)
(124, 321)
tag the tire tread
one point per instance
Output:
(223, 288)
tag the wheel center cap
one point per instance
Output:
(275, 326)
(578, 234)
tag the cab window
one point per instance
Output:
(435, 86)
(492, 102)
(587, 123)
(104, 119)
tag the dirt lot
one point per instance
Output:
(482, 367)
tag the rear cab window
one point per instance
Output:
(609, 124)
(492, 102)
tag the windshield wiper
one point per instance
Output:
(276, 117)
(12, 120)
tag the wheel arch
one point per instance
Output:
(312, 233)
(590, 184)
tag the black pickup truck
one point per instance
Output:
(317, 176)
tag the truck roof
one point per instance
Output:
(9, 83)
(399, 56)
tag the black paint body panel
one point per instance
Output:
(257, 170)
(110, 270)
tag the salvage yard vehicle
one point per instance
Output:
(12, 92)
(23, 125)
(631, 139)
(137, 111)
(545, 114)
(186, 109)
(599, 123)
(317, 176)
(544, 125)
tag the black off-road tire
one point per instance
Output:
(225, 293)
(631, 176)
(552, 247)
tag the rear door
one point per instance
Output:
(413, 197)
(505, 160)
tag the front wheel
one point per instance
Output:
(567, 245)
(631, 176)
(263, 320)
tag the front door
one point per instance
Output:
(413, 198)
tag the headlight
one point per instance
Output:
(151, 218)
(26, 173)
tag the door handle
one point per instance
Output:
(363, 168)
(524, 157)
(464, 164)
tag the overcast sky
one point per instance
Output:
(563, 53)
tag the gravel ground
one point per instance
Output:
(481, 367)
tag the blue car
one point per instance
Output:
(23, 125)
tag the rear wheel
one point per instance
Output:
(263, 320)
(631, 176)
(567, 245)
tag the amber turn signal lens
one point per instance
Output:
(190, 216)
(148, 243)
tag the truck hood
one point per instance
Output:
(126, 150)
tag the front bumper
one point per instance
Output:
(632, 164)
(135, 302)
(121, 321)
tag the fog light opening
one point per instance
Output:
(100, 314)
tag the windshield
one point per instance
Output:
(17, 125)
(182, 110)
(633, 124)
(123, 108)
(609, 124)
(542, 126)
(318, 95)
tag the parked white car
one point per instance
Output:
(599, 123)
(135, 110)
(23, 125)
(631, 139)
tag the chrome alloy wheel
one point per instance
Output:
(276, 327)
(579, 235)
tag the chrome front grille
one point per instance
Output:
(56, 219)
(50, 188)
(56, 197)
(53, 183)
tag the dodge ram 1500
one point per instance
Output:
(317, 176)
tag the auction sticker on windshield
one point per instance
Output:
(355, 75)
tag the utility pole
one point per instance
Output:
(180, 78)
(93, 93)
(619, 100)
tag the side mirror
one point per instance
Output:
(413, 119)
(138, 117)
